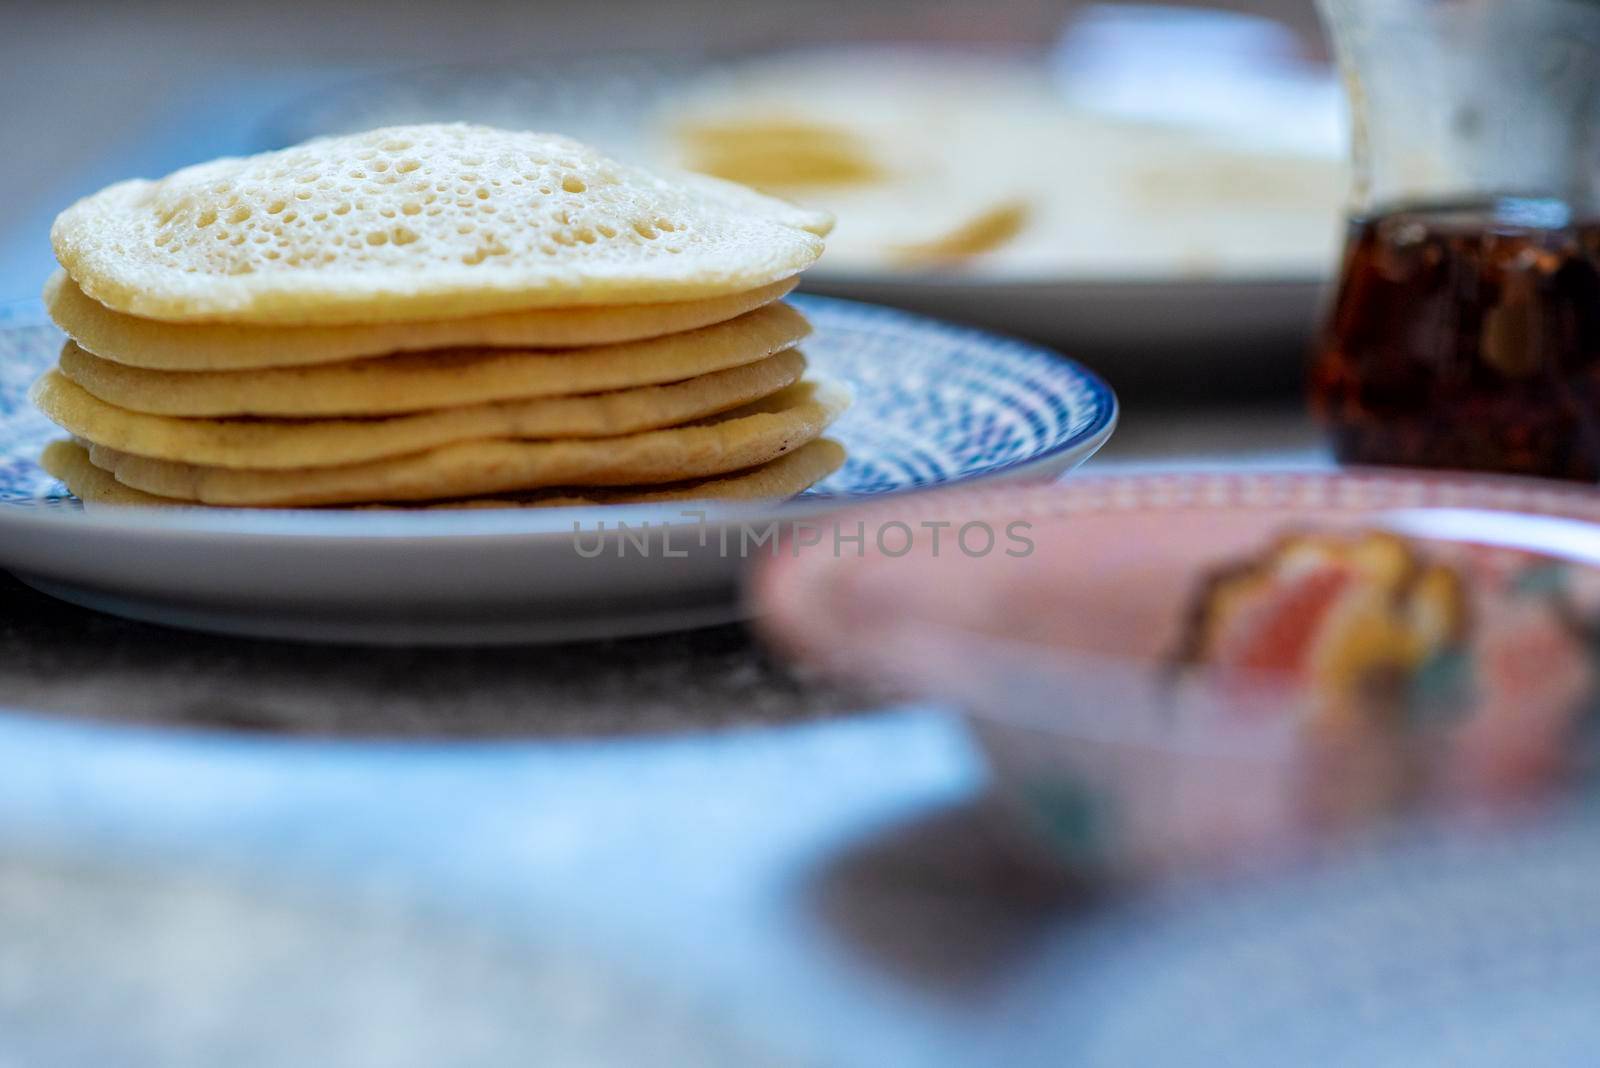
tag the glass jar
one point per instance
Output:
(1465, 330)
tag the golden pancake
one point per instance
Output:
(745, 437)
(784, 477)
(424, 381)
(426, 222)
(287, 443)
(983, 233)
(69, 461)
(778, 152)
(229, 347)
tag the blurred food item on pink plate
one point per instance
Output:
(1180, 672)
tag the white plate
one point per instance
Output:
(1173, 335)
(935, 405)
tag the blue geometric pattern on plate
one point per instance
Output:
(26, 349)
(934, 403)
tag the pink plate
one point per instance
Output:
(1172, 669)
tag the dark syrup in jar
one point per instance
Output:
(1467, 336)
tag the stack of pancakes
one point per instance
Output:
(433, 315)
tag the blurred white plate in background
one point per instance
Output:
(1036, 194)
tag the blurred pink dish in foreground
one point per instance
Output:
(1185, 670)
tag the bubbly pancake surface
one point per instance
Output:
(414, 382)
(166, 346)
(288, 443)
(746, 437)
(420, 223)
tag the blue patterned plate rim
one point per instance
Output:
(1065, 374)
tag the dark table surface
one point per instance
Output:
(61, 659)
(66, 660)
